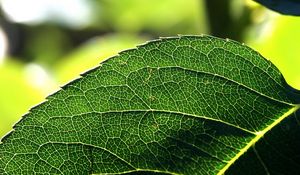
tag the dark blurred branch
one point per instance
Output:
(221, 22)
(13, 33)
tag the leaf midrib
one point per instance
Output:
(259, 136)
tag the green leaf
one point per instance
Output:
(182, 105)
(287, 7)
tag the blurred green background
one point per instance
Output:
(44, 43)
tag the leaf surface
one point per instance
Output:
(182, 105)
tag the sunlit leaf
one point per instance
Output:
(182, 105)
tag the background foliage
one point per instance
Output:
(41, 52)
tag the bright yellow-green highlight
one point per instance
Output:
(17, 95)
(280, 44)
